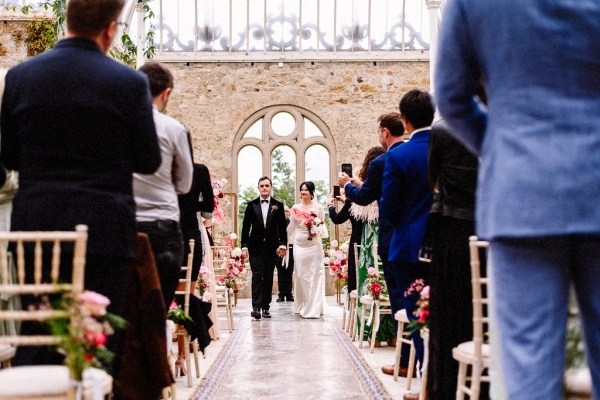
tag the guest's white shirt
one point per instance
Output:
(156, 194)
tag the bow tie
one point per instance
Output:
(264, 201)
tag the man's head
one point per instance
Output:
(94, 19)
(265, 187)
(417, 110)
(389, 129)
(161, 83)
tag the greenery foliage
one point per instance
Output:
(41, 36)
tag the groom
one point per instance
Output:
(264, 238)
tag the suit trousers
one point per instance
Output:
(285, 273)
(167, 244)
(263, 267)
(398, 277)
(531, 278)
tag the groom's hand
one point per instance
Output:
(280, 252)
(245, 253)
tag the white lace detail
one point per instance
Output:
(369, 213)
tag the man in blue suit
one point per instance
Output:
(405, 204)
(539, 180)
(76, 124)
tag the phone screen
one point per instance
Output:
(347, 168)
(336, 191)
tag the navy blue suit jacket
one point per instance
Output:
(405, 199)
(76, 124)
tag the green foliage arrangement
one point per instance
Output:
(41, 36)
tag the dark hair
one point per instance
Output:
(159, 76)
(372, 154)
(417, 107)
(87, 18)
(262, 178)
(393, 122)
(310, 187)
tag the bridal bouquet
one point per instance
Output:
(314, 225)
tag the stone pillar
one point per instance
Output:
(141, 35)
(434, 25)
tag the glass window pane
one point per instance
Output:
(283, 123)
(311, 130)
(249, 170)
(283, 174)
(257, 25)
(317, 170)
(326, 12)
(255, 130)
(309, 25)
(238, 25)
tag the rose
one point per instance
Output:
(423, 316)
(203, 270)
(318, 221)
(371, 271)
(327, 260)
(94, 302)
(274, 208)
(237, 252)
(425, 292)
(376, 288)
(232, 236)
(334, 243)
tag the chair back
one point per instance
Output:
(185, 284)
(357, 248)
(220, 256)
(479, 284)
(38, 272)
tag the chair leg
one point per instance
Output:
(398, 350)
(373, 331)
(460, 383)
(411, 365)
(362, 327)
(352, 319)
(188, 363)
(476, 380)
(196, 362)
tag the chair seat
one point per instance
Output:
(354, 294)
(465, 352)
(6, 352)
(578, 382)
(49, 380)
(401, 316)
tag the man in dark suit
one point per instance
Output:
(285, 271)
(76, 124)
(264, 238)
(405, 204)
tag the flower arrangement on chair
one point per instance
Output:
(375, 284)
(82, 340)
(338, 262)
(218, 185)
(313, 223)
(236, 271)
(418, 288)
(203, 282)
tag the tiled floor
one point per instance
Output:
(287, 357)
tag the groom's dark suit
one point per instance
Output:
(262, 242)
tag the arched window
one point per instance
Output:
(290, 145)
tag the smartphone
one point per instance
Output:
(347, 168)
(336, 191)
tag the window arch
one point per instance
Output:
(287, 143)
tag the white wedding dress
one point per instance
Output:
(309, 270)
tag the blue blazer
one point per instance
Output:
(405, 199)
(76, 124)
(539, 140)
(370, 190)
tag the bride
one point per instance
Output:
(305, 230)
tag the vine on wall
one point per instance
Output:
(40, 36)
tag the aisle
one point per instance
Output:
(287, 357)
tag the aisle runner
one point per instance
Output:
(218, 371)
(367, 379)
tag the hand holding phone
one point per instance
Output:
(336, 191)
(347, 169)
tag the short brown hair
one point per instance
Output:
(87, 18)
(159, 76)
(393, 122)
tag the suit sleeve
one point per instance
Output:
(9, 144)
(182, 164)
(341, 216)
(371, 187)
(143, 140)
(246, 224)
(457, 75)
(392, 190)
(207, 205)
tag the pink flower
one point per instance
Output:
(371, 271)
(94, 302)
(173, 306)
(423, 316)
(425, 292)
(334, 243)
(203, 270)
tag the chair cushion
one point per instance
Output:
(34, 380)
(578, 381)
(401, 316)
(46, 380)
(465, 352)
(6, 352)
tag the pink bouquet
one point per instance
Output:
(314, 224)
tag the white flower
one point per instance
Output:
(326, 260)
(232, 236)
(237, 252)
(216, 192)
(318, 221)
(344, 247)
(224, 181)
